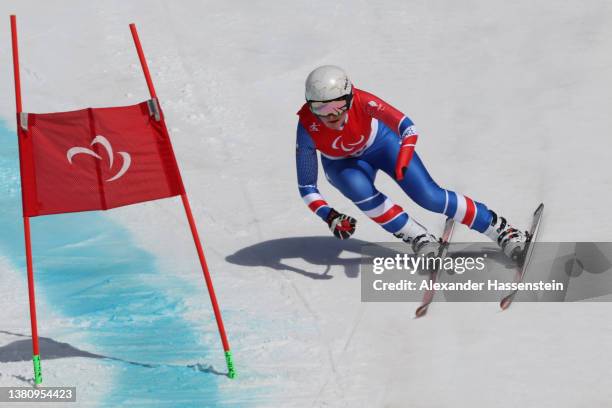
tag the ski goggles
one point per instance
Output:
(333, 107)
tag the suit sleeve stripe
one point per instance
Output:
(315, 205)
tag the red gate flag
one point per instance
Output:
(95, 159)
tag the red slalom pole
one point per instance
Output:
(192, 225)
(26, 220)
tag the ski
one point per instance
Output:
(523, 262)
(428, 296)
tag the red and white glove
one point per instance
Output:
(341, 225)
(405, 155)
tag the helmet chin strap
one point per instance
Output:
(344, 121)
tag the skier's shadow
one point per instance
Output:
(316, 251)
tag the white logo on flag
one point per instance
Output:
(127, 159)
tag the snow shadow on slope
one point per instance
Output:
(21, 350)
(316, 251)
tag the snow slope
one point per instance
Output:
(512, 103)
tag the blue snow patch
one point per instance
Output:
(90, 270)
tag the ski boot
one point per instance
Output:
(511, 240)
(424, 244)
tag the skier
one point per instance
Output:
(358, 134)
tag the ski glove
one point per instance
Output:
(405, 155)
(341, 225)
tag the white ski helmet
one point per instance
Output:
(327, 83)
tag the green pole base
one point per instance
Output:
(37, 370)
(231, 371)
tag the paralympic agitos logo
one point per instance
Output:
(127, 159)
(351, 147)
